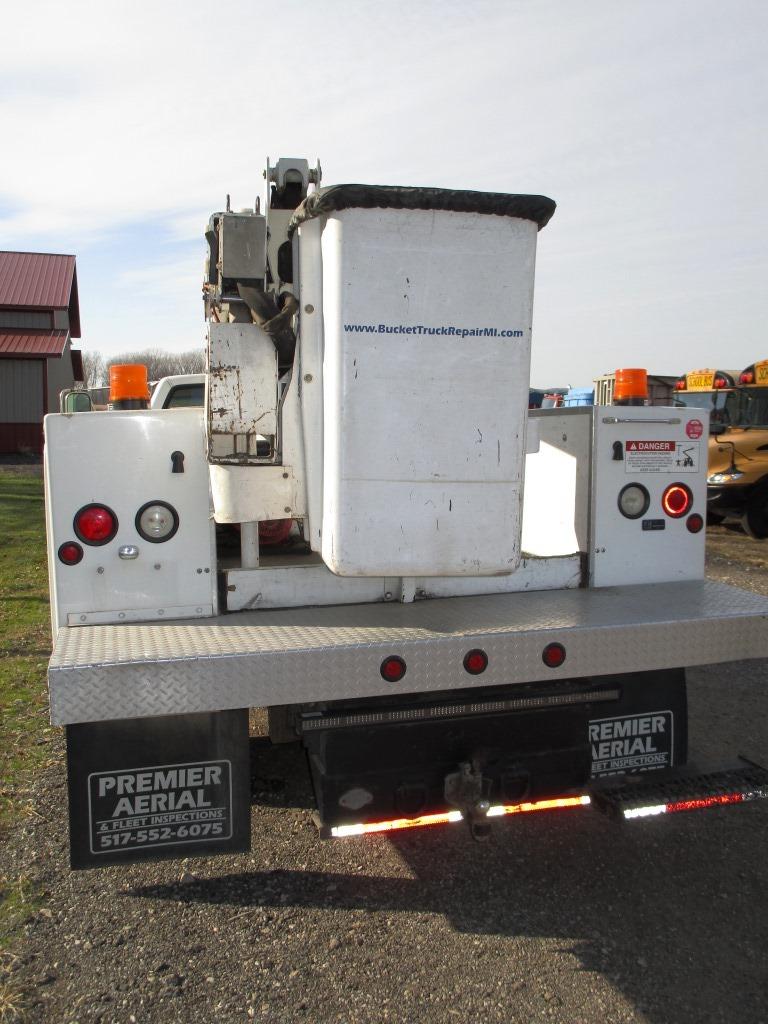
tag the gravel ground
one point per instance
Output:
(562, 918)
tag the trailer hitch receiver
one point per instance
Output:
(468, 790)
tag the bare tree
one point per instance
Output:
(94, 369)
(163, 364)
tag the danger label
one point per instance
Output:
(631, 744)
(661, 457)
(160, 806)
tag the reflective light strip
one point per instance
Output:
(698, 804)
(706, 801)
(340, 831)
(645, 812)
(309, 724)
(539, 805)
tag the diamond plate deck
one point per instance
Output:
(256, 659)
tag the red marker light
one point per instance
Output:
(680, 384)
(553, 655)
(475, 662)
(95, 524)
(694, 523)
(676, 500)
(393, 669)
(721, 382)
(70, 553)
(747, 378)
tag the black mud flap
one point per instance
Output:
(147, 788)
(682, 789)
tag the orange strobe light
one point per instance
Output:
(497, 811)
(631, 387)
(128, 383)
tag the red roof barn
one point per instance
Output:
(39, 315)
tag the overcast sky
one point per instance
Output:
(124, 124)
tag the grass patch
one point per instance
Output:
(25, 639)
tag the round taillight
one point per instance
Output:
(156, 521)
(676, 500)
(694, 523)
(393, 669)
(475, 662)
(70, 553)
(553, 655)
(634, 500)
(95, 524)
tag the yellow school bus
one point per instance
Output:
(737, 480)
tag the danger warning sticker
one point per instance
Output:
(632, 743)
(160, 806)
(661, 457)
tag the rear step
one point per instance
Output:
(680, 789)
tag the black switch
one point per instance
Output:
(177, 462)
(618, 451)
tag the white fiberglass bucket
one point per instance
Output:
(427, 324)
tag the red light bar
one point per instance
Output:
(497, 811)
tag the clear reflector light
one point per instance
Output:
(157, 521)
(634, 500)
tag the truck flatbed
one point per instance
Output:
(258, 659)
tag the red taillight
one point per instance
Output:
(476, 662)
(553, 655)
(274, 531)
(721, 382)
(70, 553)
(694, 523)
(747, 378)
(676, 500)
(393, 669)
(680, 385)
(95, 524)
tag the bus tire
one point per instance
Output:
(754, 522)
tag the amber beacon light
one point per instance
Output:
(128, 386)
(631, 387)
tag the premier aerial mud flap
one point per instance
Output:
(147, 788)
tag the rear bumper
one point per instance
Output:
(301, 656)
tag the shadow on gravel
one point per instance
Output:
(668, 913)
